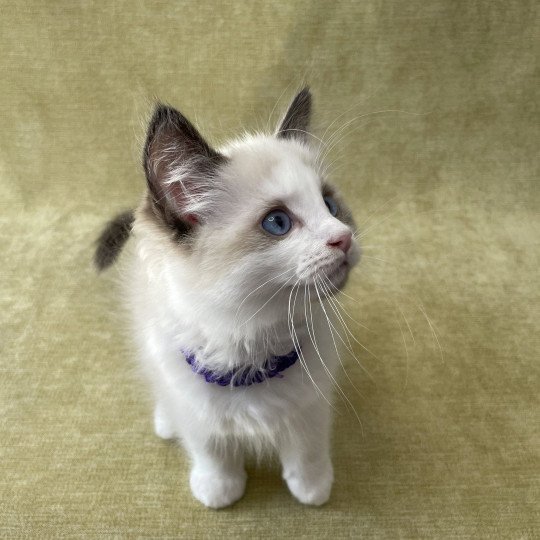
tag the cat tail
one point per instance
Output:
(112, 239)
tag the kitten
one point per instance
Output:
(235, 251)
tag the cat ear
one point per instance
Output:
(180, 167)
(295, 124)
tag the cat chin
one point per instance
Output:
(335, 276)
(338, 278)
(340, 275)
(333, 282)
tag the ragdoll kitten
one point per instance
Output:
(235, 251)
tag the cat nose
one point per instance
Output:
(343, 241)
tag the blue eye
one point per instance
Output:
(277, 222)
(331, 205)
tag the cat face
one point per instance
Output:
(279, 217)
(257, 212)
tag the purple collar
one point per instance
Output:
(244, 376)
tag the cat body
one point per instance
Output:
(235, 251)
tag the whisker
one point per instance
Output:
(337, 351)
(259, 287)
(349, 348)
(378, 259)
(326, 368)
(296, 343)
(267, 302)
(343, 307)
(355, 105)
(329, 297)
(387, 245)
(363, 233)
(332, 139)
(432, 330)
(407, 323)
(306, 133)
(275, 105)
(380, 207)
(334, 308)
(339, 291)
(315, 343)
(406, 353)
(311, 333)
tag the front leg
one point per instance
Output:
(305, 457)
(217, 477)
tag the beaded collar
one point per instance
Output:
(244, 376)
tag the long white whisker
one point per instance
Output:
(260, 286)
(365, 231)
(306, 133)
(315, 345)
(343, 341)
(406, 353)
(380, 207)
(268, 301)
(346, 328)
(386, 246)
(332, 142)
(328, 371)
(378, 259)
(348, 348)
(296, 343)
(334, 298)
(347, 296)
(375, 92)
(335, 310)
(407, 323)
(311, 334)
(275, 105)
(432, 330)
(337, 351)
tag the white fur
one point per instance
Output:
(209, 299)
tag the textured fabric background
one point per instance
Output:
(446, 191)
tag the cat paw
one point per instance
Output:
(162, 425)
(313, 488)
(217, 490)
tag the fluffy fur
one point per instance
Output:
(206, 277)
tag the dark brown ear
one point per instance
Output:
(295, 124)
(179, 165)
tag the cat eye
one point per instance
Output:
(277, 222)
(331, 205)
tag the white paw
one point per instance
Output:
(217, 490)
(313, 487)
(162, 425)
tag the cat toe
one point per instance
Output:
(217, 490)
(312, 490)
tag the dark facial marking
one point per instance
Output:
(343, 212)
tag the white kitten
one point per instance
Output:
(235, 251)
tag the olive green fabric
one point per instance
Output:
(433, 109)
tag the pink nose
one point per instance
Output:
(343, 241)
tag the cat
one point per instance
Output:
(235, 251)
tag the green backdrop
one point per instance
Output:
(440, 164)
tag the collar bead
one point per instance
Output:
(244, 376)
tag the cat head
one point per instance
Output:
(253, 218)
